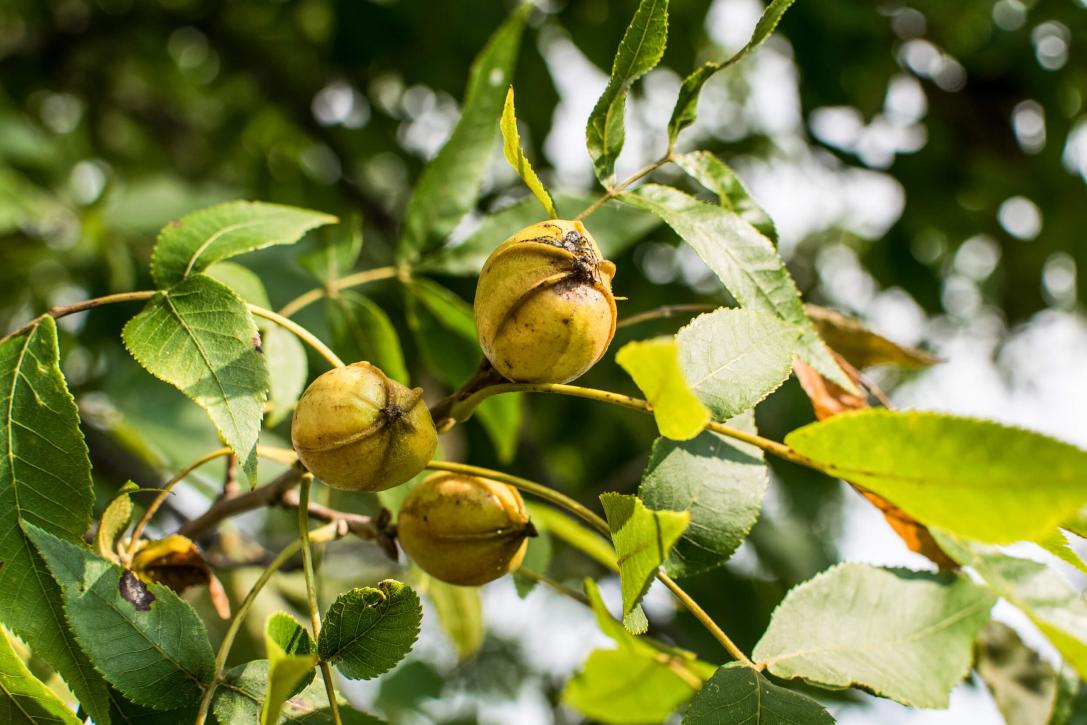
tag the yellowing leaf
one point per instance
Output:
(515, 155)
(114, 522)
(654, 365)
(174, 561)
(292, 656)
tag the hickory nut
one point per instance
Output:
(544, 308)
(464, 530)
(356, 429)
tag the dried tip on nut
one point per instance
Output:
(356, 429)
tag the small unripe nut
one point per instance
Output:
(464, 530)
(544, 308)
(356, 429)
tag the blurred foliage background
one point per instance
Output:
(924, 161)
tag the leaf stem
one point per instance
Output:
(311, 590)
(601, 526)
(664, 312)
(325, 533)
(65, 310)
(352, 280)
(462, 410)
(300, 332)
(622, 186)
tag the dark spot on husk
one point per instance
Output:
(393, 412)
(135, 592)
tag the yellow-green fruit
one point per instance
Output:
(544, 308)
(356, 429)
(464, 529)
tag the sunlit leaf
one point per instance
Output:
(368, 630)
(292, 656)
(654, 366)
(715, 175)
(859, 345)
(515, 155)
(24, 699)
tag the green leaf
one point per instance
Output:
(360, 330)
(861, 347)
(292, 657)
(460, 612)
(1056, 543)
(901, 634)
(1023, 685)
(733, 359)
(244, 281)
(973, 478)
(654, 366)
(1059, 610)
(616, 229)
(24, 699)
(147, 641)
(288, 370)
(449, 185)
(581, 538)
(240, 697)
(686, 109)
(114, 521)
(515, 155)
(196, 241)
(643, 539)
(367, 631)
(639, 52)
(738, 694)
(445, 330)
(337, 251)
(715, 175)
(744, 260)
(200, 338)
(1070, 706)
(621, 688)
(720, 481)
(45, 480)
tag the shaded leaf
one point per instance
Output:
(733, 359)
(199, 337)
(244, 281)
(196, 241)
(449, 185)
(240, 697)
(714, 174)
(445, 330)
(901, 634)
(1023, 685)
(744, 260)
(639, 52)
(368, 630)
(336, 251)
(720, 481)
(45, 480)
(1070, 706)
(515, 155)
(460, 612)
(1044, 595)
(288, 371)
(738, 694)
(974, 478)
(581, 538)
(156, 652)
(292, 657)
(654, 366)
(24, 699)
(643, 540)
(861, 347)
(620, 228)
(360, 330)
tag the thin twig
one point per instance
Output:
(267, 495)
(661, 313)
(65, 310)
(351, 280)
(622, 186)
(300, 332)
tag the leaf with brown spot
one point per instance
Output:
(828, 399)
(174, 561)
(135, 592)
(860, 346)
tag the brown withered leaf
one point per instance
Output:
(860, 346)
(174, 561)
(219, 598)
(828, 399)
